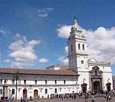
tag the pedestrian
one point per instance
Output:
(21, 99)
(86, 97)
(92, 98)
(11, 98)
(108, 98)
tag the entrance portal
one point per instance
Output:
(96, 80)
(5, 91)
(35, 93)
(25, 93)
(96, 87)
(84, 87)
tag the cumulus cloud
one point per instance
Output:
(64, 31)
(101, 42)
(64, 60)
(44, 12)
(23, 51)
(43, 60)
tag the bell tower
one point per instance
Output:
(77, 48)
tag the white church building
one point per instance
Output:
(82, 74)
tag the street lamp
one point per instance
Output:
(16, 78)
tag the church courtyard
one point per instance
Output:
(98, 99)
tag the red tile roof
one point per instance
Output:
(61, 72)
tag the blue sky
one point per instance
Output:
(38, 21)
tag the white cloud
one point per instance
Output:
(44, 12)
(23, 51)
(66, 49)
(101, 42)
(64, 31)
(63, 60)
(43, 61)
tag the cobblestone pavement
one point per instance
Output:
(99, 99)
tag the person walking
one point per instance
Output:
(86, 97)
(92, 98)
(11, 98)
(108, 98)
(21, 99)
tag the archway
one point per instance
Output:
(108, 85)
(25, 93)
(84, 87)
(5, 90)
(96, 80)
(35, 93)
(96, 87)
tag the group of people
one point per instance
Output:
(64, 96)
(86, 96)
(91, 95)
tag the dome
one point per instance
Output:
(92, 60)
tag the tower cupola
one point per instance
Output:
(75, 29)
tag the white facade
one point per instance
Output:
(90, 71)
(53, 85)
(79, 59)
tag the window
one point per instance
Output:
(24, 81)
(82, 62)
(64, 82)
(83, 47)
(45, 81)
(13, 91)
(35, 82)
(5, 81)
(0, 91)
(55, 81)
(60, 89)
(19, 89)
(46, 91)
(13, 81)
(79, 46)
(55, 90)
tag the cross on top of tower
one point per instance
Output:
(75, 27)
(75, 23)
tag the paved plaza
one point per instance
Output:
(98, 99)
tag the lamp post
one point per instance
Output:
(16, 78)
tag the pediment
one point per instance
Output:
(96, 71)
